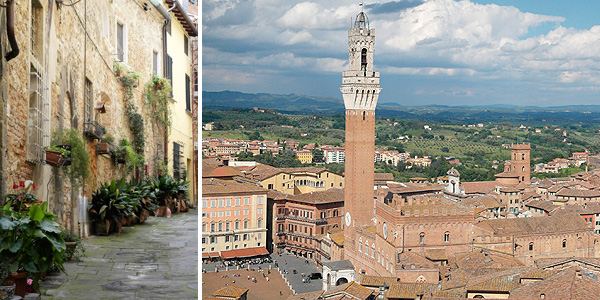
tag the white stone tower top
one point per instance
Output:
(360, 84)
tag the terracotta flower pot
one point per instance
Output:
(20, 281)
(71, 246)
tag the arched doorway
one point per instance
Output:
(341, 281)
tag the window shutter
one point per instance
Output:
(188, 105)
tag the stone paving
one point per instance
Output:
(157, 259)
(286, 262)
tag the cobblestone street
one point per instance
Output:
(158, 259)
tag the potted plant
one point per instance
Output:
(74, 245)
(135, 77)
(105, 145)
(164, 186)
(32, 241)
(7, 287)
(22, 199)
(158, 82)
(55, 156)
(118, 68)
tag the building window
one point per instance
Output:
(246, 211)
(203, 227)
(259, 223)
(204, 203)
(155, 63)
(564, 244)
(185, 44)
(121, 41)
(270, 187)
(422, 238)
(246, 201)
(177, 155)
(212, 227)
(170, 73)
(447, 237)
(237, 224)
(39, 110)
(228, 202)
(245, 224)
(220, 202)
(37, 37)
(245, 237)
(260, 200)
(220, 226)
(531, 246)
(188, 93)
(237, 202)
(259, 211)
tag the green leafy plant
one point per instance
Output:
(78, 251)
(165, 188)
(119, 68)
(136, 122)
(31, 240)
(63, 152)
(132, 158)
(108, 139)
(79, 170)
(157, 102)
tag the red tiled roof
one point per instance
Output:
(225, 171)
(479, 187)
(241, 253)
(232, 291)
(217, 186)
(535, 225)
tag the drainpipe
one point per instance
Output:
(10, 31)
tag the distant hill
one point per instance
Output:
(284, 103)
(301, 104)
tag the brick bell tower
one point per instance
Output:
(360, 89)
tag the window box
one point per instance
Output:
(54, 158)
(104, 148)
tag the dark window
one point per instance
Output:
(363, 60)
(177, 161)
(170, 72)
(188, 104)
(89, 98)
(185, 44)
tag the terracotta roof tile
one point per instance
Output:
(544, 205)
(572, 283)
(535, 225)
(217, 186)
(225, 171)
(376, 281)
(436, 254)
(479, 187)
(328, 196)
(231, 291)
(566, 192)
(352, 288)
(549, 262)
(411, 290)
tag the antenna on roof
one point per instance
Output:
(361, 6)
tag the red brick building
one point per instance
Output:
(300, 220)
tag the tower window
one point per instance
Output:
(363, 60)
(422, 238)
(364, 115)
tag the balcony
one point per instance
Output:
(93, 130)
(302, 219)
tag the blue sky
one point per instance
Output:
(444, 52)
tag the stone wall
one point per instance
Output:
(69, 56)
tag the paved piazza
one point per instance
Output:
(263, 290)
(157, 259)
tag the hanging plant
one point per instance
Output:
(157, 93)
(79, 170)
(136, 122)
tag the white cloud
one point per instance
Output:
(436, 38)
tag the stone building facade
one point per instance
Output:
(62, 78)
